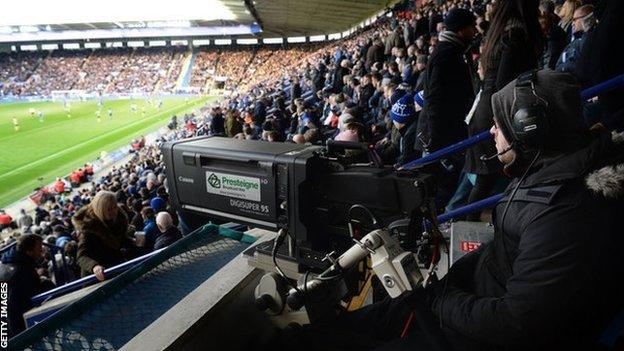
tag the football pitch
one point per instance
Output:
(61, 139)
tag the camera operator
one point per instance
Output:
(551, 278)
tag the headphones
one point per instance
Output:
(529, 125)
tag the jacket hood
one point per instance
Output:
(600, 164)
(608, 181)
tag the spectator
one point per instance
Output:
(61, 235)
(217, 123)
(232, 124)
(582, 24)
(567, 15)
(6, 221)
(375, 53)
(103, 239)
(602, 58)
(449, 93)
(18, 269)
(25, 220)
(556, 40)
(59, 186)
(512, 46)
(150, 229)
(169, 233)
(404, 119)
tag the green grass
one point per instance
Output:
(61, 144)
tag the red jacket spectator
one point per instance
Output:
(88, 169)
(81, 174)
(74, 178)
(190, 126)
(59, 186)
(5, 220)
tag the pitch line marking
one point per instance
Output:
(62, 152)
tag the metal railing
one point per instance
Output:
(613, 83)
(108, 273)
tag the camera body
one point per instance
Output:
(306, 190)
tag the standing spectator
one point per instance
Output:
(339, 73)
(103, 240)
(217, 123)
(448, 94)
(232, 125)
(18, 269)
(512, 46)
(602, 58)
(556, 40)
(169, 233)
(295, 89)
(375, 53)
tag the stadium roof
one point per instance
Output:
(41, 20)
(311, 17)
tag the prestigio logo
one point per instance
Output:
(214, 181)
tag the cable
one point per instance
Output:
(276, 244)
(513, 194)
(368, 212)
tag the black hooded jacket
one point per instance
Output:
(551, 279)
(19, 271)
(448, 97)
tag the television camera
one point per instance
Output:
(332, 207)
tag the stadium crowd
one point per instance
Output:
(409, 85)
(107, 71)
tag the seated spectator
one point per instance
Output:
(75, 179)
(150, 229)
(169, 233)
(18, 269)
(582, 24)
(6, 221)
(61, 235)
(103, 239)
(59, 186)
(403, 117)
(88, 169)
(25, 220)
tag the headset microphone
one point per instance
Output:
(485, 158)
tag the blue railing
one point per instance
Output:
(586, 94)
(607, 85)
(91, 279)
(108, 273)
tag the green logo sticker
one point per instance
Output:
(214, 181)
(233, 185)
